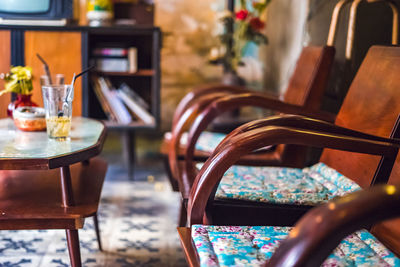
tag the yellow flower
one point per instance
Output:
(18, 81)
(22, 73)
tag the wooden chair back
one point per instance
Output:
(309, 79)
(372, 105)
(306, 88)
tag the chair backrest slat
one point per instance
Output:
(372, 105)
(310, 77)
(306, 88)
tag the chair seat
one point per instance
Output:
(252, 246)
(278, 185)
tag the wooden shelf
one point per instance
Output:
(143, 73)
(36, 195)
(134, 125)
(123, 1)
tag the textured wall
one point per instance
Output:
(286, 24)
(189, 29)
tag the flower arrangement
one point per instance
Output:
(18, 81)
(247, 27)
(100, 5)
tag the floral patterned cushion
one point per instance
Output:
(308, 186)
(207, 141)
(252, 246)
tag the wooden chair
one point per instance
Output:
(310, 242)
(371, 106)
(305, 91)
(303, 95)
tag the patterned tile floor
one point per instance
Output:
(137, 222)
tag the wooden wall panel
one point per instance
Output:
(5, 61)
(62, 51)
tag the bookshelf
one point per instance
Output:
(144, 73)
(145, 81)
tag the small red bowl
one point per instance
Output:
(30, 119)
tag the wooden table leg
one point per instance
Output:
(97, 229)
(73, 248)
(72, 234)
(66, 187)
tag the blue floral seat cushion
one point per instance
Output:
(207, 141)
(308, 186)
(252, 246)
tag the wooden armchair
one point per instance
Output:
(365, 109)
(329, 228)
(304, 92)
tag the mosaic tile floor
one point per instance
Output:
(137, 222)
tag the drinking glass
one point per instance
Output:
(57, 101)
(55, 79)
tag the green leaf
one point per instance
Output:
(260, 38)
(260, 7)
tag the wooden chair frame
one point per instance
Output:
(352, 23)
(193, 103)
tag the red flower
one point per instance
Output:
(257, 24)
(242, 14)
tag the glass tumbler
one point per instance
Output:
(55, 79)
(57, 101)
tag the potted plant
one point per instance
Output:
(18, 81)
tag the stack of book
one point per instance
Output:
(122, 105)
(111, 59)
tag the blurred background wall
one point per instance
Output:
(191, 27)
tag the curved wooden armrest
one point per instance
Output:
(243, 144)
(320, 231)
(298, 121)
(190, 98)
(232, 102)
(184, 121)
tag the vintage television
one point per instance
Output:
(36, 12)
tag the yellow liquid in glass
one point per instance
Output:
(58, 127)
